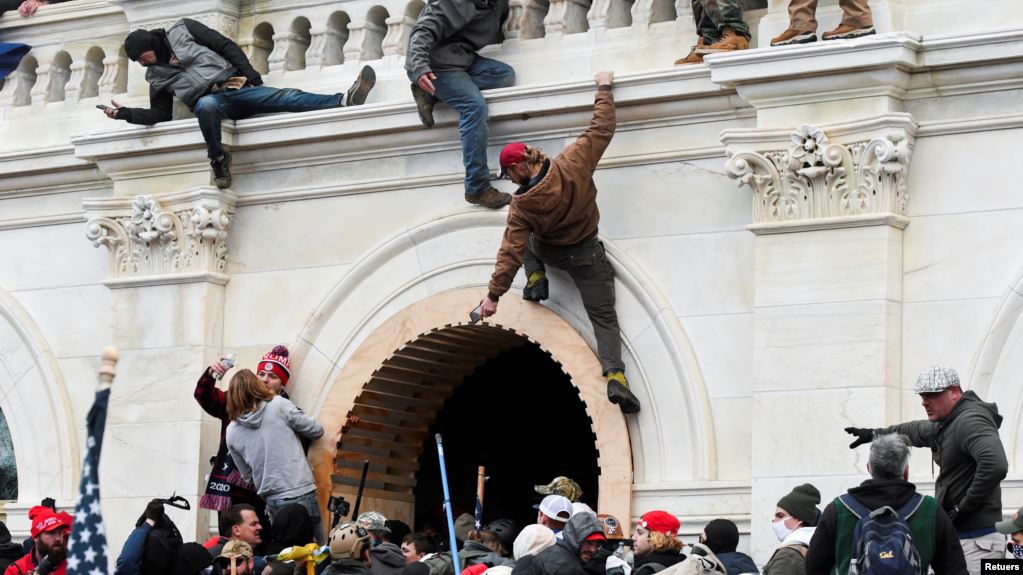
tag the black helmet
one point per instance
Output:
(506, 532)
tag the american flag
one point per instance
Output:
(88, 552)
(479, 513)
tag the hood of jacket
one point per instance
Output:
(578, 528)
(532, 540)
(541, 197)
(254, 419)
(971, 402)
(801, 535)
(292, 526)
(877, 493)
(387, 559)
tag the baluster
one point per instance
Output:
(314, 55)
(398, 29)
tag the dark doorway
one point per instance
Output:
(519, 416)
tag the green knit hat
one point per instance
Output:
(801, 503)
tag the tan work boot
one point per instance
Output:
(729, 42)
(845, 32)
(489, 198)
(790, 37)
(693, 57)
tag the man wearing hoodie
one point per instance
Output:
(9, 550)
(386, 559)
(212, 76)
(962, 433)
(553, 221)
(721, 536)
(934, 536)
(794, 519)
(583, 535)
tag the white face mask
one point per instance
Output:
(780, 531)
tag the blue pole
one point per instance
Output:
(447, 507)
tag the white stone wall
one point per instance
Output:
(751, 341)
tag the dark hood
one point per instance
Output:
(876, 493)
(387, 559)
(578, 528)
(291, 526)
(970, 402)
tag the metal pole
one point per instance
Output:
(447, 507)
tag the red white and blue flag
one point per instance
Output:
(87, 553)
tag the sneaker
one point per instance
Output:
(694, 56)
(790, 37)
(537, 288)
(489, 198)
(424, 105)
(356, 95)
(618, 392)
(844, 32)
(729, 42)
(222, 171)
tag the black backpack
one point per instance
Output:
(161, 547)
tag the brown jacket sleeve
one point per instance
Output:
(587, 149)
(509, 257)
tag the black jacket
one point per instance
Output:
(347, 567)
(874, 493)
(650, 563)
(448, 34)
(161, 101)
(966, 446)
(562, 558)
(737, 563)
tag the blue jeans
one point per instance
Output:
(308, 501)
(460, 89)
(249, 101)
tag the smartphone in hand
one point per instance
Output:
(474, 315)
(103, 107)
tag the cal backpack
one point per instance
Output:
(882, 539)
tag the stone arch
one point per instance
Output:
(994, 374)
(300, 40)
(337, 37)
(262, 47)
(60, 74)
(33, 397)
(453, 255)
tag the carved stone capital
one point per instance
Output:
(816, 183)
(175, 238)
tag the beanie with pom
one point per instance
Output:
(276, 361)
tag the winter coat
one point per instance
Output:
(475, 553)
(9, 551)
(790, 557)
(448, 34)
(265, 448)
(562, 208)
(386, 559)
(28, 563)
(737, 563)
(966, 446)
(562, 558)
(159, 76)
(873, 494)
(655, 561)
(224, 487)
(292, 526)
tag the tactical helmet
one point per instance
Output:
(347, 541)
(506, 531)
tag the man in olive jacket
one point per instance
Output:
(962, 433)
(553, 220)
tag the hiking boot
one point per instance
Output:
(845, 32)
(791, 37)
(729, 42)
(537, 288)
(222, 171)
(356, 95)
(424, 105)
(489, 198)
(618, 392)
(694, 56)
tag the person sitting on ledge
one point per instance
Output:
(212, 76)
(857, 21)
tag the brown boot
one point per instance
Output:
(729, 42)
(693, 57)
(489, 198)
(846, 32)
(790, 37)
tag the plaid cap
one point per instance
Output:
(1013, 525)
(373, 521)
(562, 486)
(935, 379)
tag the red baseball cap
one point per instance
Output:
(660, 521)
(512, 154)
(596, 536)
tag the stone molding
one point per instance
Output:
(816, 183)
(176, 238)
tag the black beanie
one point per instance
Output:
(722, 536)
(137, 42)
(801, 503)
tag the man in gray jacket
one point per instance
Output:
(962, 433)
(443, 64)
(211, 75)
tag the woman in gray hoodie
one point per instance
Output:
(263, 441)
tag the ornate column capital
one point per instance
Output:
(168, 239)
(818, 183)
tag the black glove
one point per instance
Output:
(863, 435)
(154, 511)
(50, 563)
(49, 502)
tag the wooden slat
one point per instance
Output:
(452, 345)
(410, 465)
(410, 390)
(376, 476)
(383, 428)
(392, 416)
(350, 442)
(384, 398)
(349, 493)
(421, 377)
(455, 369)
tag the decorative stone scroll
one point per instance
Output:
(155, 240)
(817, 179)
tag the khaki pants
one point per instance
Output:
(985, 547)
(802, 14)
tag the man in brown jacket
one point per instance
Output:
(553, 220)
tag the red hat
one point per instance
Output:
(512, 154)
(660, 521)
(596, 536)
(44, 519)
(276, 361)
